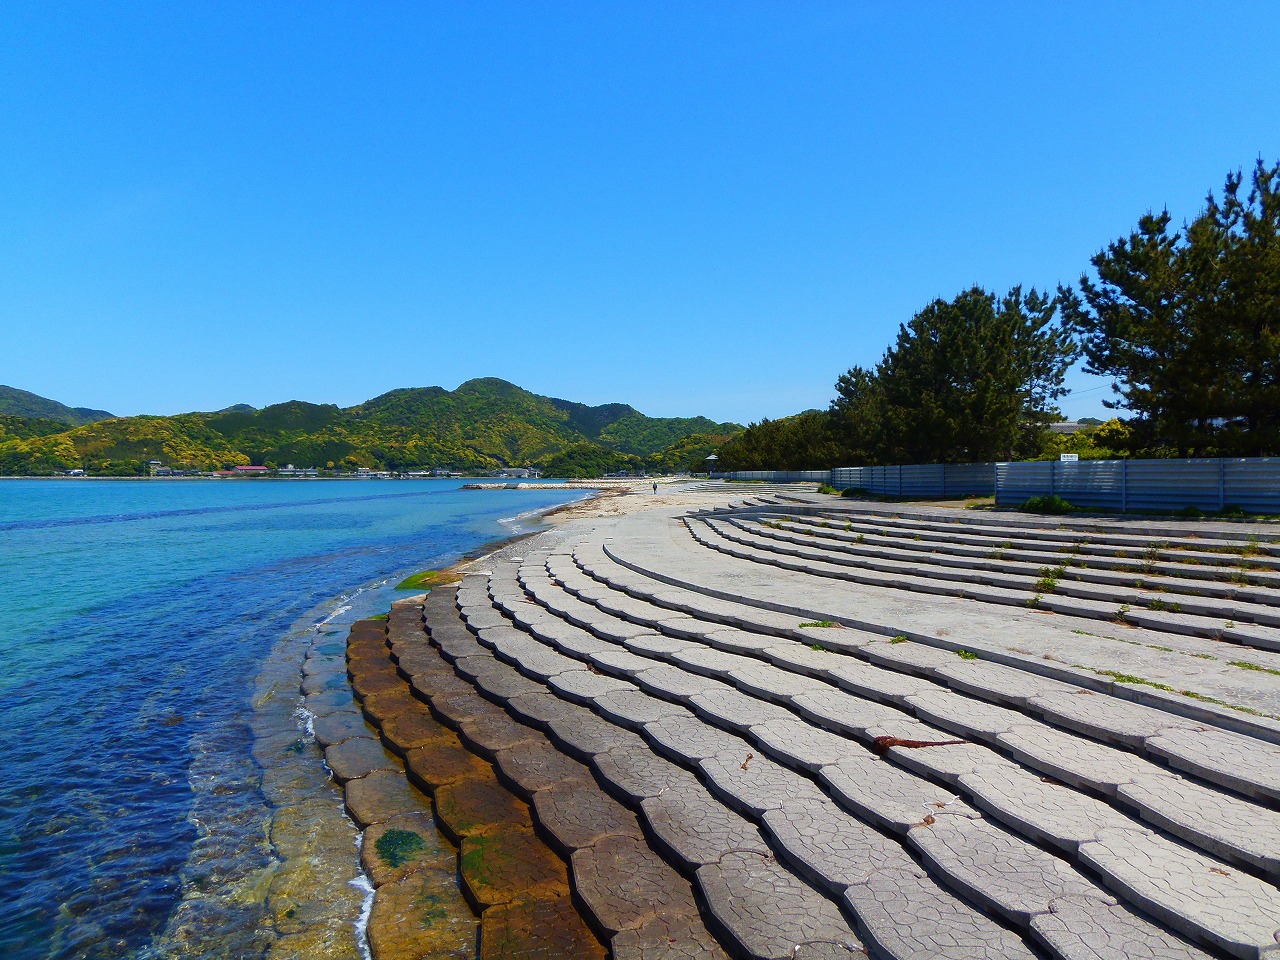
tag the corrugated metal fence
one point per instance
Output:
(780, 476)
(920, 479)
(1251, 484)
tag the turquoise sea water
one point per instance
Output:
(133, 618)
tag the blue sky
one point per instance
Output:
(693, 207)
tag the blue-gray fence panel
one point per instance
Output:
(919, 480)
(779, 476)
(842, 478)
(1253, 484)
(1173, 484)
(969, 480)
(1015, 482)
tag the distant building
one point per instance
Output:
(291, 471)
(251, 471)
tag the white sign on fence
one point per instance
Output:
(1068, 457)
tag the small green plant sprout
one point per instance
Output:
(1157, 604)
(995, 554)
(829, 490)
(848, 527)
(381, 616)
(900, 638)
(1048, 581)
(818, 623)
(1122, 612)
(1230, 624)
(966, 655)
(861, 538)
(819, 648)
(1034, 601)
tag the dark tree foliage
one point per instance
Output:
(802, 442)
(970, 379)
(857, 416)
(1188, 324)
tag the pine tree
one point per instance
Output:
(970, 379)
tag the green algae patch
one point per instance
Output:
(379, 616)
(397, 847)
(419, 581)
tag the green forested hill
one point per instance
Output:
(22, 403)
(483, 424)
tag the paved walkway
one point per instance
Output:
(804, 727)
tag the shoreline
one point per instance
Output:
(317, 844)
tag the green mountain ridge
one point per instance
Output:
(484, 424)
(23, 403)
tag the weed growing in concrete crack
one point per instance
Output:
(966, 655)
(1256, 667)
(1133, 680)
(900, 638)
(1035, 601)
(818, 623)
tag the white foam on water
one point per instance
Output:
(362, 884)
(306, 720)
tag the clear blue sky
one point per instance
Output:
(693, 207)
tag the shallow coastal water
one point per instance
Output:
(148, 631)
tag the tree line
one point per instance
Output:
(1186, 323)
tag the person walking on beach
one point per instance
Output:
(655, 486)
